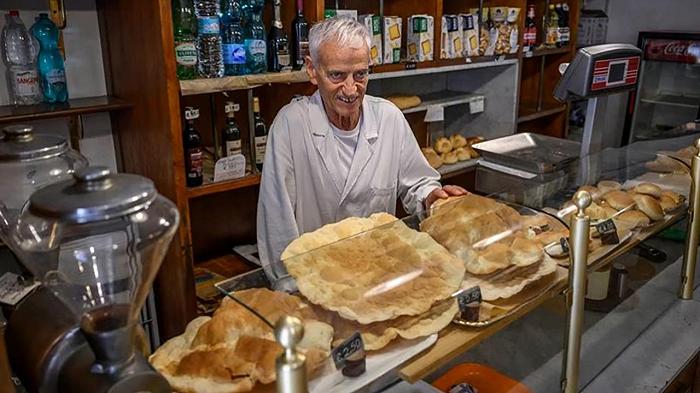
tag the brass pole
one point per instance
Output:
(578, 260)
(693, 238)
(290, 364)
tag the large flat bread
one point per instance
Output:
(234, 350)
(331, 233)
(378, 275)
(377, 335)
(508, 282)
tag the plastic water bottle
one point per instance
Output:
(50, 61)
(209, 55)
(19, 55)
(232, 36)
(254, 37)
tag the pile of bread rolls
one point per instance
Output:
(451, 150)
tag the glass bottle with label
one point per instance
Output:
(530, 33)
(254, 37)
(278, 58)
(300, 37)
(233, 46)
(231, 137)
(194, 162)
(564, 31)
(260, 134)
(552, 27)
(185, 47)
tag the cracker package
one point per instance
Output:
(420, 38)
(451, 38)
(512, 20)
(470, 34)
(506, 22)
(374, 26)
(392, 39)
(487, 31)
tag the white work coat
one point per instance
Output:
(302, 188)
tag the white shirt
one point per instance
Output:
(347, 143)
(303, 187)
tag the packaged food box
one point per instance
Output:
(451, 38)
(392, 39)
(420, 40)
(330, 13)
(470, 34)
(373, 24)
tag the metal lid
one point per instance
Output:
(94, 194)
(20, 143)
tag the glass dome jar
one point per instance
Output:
(29, 161)
(97, 241)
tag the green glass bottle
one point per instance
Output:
(183, 29)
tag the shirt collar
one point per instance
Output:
(321, 125)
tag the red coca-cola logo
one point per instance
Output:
(677, 48)
(671, 50)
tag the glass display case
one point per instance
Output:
(382, 298)
(668, 87)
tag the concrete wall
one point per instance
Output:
(626, 19)
(84, 73)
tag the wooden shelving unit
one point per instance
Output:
(74, 107)
(223, 186)
(528, 113)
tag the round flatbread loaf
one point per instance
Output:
(443, 145)
(648, 189)
(462, 154)
(449, 157)
(634, 218)
(605, 186)
(649, 206)
(525, 252)
(405, 102)
(458, 141)
(618, 199)
(492, 258)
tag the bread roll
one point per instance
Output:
(648, 189)
(474, 139)
(405, 102)
(433, 158)
(458, 141)
(664, 164)
(449, 157)
(649, 206)
(633, 218)
(443, 145)
(462, 154)
(676, 197)
(605, 186)
(667, 204)
(618, 199)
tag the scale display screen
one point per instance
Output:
(615, 72)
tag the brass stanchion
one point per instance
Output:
(578, 259)
(693, 238)
(290, 364)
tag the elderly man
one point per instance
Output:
(338, 153)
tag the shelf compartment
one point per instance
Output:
(398, 70)
(74, 107)
(443, 99)
(691, 102)
(241, 82)
(548, 51)
(529, 114)
(222, 186)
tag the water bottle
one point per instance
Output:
(254, 37)
(209, 55)
(232, 36)
(50, 62)
(19, 55)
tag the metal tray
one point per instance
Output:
(530, 152)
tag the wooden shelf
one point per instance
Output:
(528, 114)
(548, 51)
(76, 106)
(222, 186)
(242, 82)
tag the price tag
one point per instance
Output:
(469, 303)
(608, 232)
(231, 107)
(434, 113)
(228, 168)
(476, 105)
(349, 347)
(13, 288)
(411, 65)
(191, 113)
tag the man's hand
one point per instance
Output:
(442, 193)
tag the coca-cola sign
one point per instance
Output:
(683, 51)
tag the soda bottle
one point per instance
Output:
(530, 33)
(552, 28)
(254, 37)
(19, 55)
(232, 36)
(50, 61)
(209, 50)
(183, 30)
(194, 162)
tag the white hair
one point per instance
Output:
(340, 30)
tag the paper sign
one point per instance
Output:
(13, 288)
(228, 168)
(476, 105)
(434, 113)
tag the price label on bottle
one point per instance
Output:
(476, 105)
(227, 168)
(231, 107)
(191, 114)
(349, 347)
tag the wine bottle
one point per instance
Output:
(300, 37)
(231, 134)
(260, 134)
(277, 44)
(193, 150)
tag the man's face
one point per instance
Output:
(341, 76)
